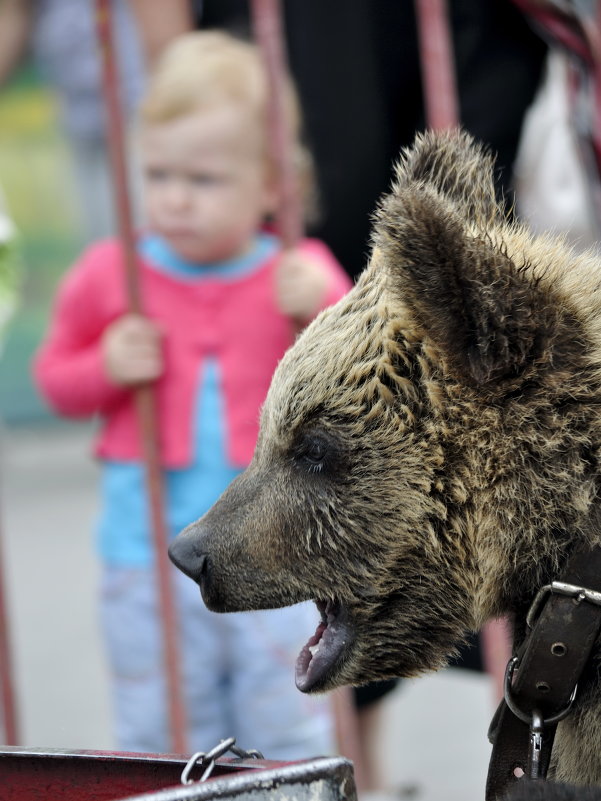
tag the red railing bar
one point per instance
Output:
(442, 111)
(9, 713)
(268, 31)
(145, 399)
(441, 104)
(36, 774)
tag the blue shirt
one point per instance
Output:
(124, 528)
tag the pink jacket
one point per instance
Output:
(234, 321)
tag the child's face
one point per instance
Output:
(205, 182)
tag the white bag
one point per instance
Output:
(552, 191)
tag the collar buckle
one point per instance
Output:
(579, 594)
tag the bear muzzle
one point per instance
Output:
(186, 557)
(194, 553)
(193, 562)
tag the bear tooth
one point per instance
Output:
(314, 649)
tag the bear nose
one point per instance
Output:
(185, 556)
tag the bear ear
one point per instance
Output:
(454, 165)
(471, 300)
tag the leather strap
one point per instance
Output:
(547, 669)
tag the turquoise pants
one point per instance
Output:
(237, 672)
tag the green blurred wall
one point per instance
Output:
(36, 180)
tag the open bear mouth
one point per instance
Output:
(320, 655)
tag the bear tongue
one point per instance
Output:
(324, 649)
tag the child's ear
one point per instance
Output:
(271, 193)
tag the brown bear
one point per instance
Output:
(429, 447)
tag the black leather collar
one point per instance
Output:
(541, 681)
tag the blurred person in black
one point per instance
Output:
(357, 66)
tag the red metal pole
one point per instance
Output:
(144, 395)
(267, 25)
(496, 651)
(441, 103)
(269, 35)
(7, 701)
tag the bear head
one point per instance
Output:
(429, 447)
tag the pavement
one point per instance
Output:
(432, 745)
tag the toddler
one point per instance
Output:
(223, 303)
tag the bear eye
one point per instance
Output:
(313, 453)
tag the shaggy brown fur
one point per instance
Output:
(429, 448)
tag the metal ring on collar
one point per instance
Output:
(519, 713)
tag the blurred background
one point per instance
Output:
(35, 175)
(48, 504)
(47, 484)
(48, 481)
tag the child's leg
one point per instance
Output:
(131, 636)
(129, 612)
(204, 669)
(271, 714)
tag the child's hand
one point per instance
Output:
(131, 350)
(301, 285)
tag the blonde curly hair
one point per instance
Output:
(205, 69)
